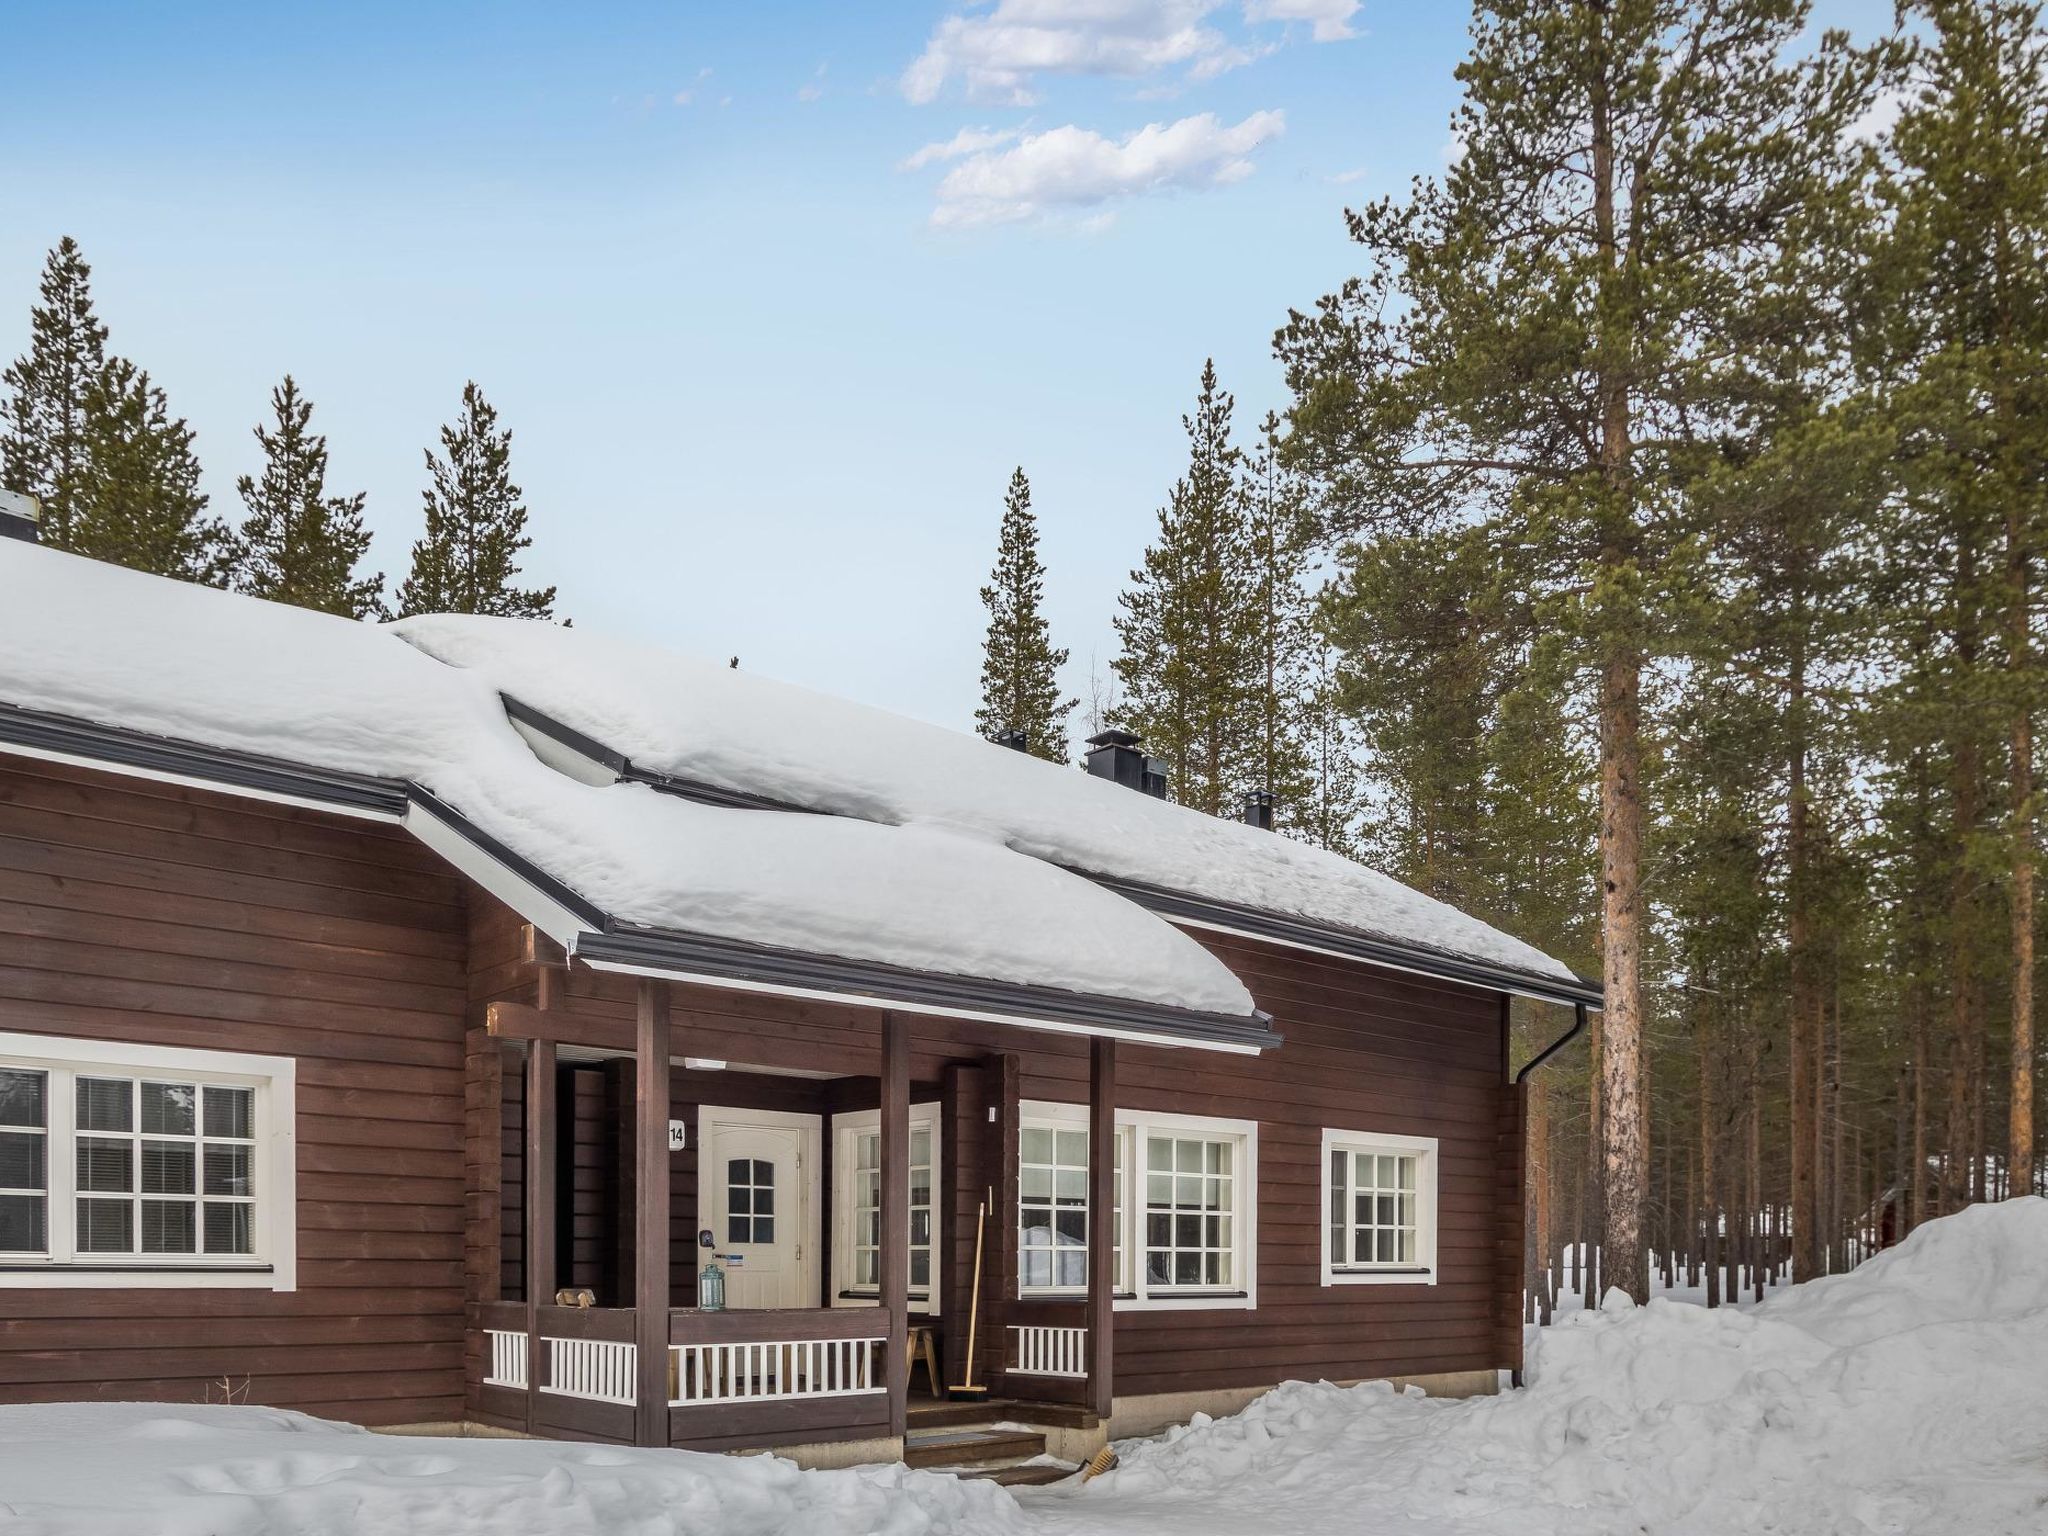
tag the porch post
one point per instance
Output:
(895, 1254)
(650, 1210)
(1101, 1225)
(540, 1205)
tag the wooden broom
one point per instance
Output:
(967, 1386)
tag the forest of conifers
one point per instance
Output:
(1671, 484)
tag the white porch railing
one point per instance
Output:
(769, 1372)
(598, 1369)
(508, 1359)
(1041, 1351)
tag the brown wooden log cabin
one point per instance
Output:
(315, 1093)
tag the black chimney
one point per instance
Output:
(1014, 737)
(1258, 809)
(1113, 754)
(18, 514)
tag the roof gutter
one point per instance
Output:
(722, 962)
(65, 739)
(1348, 944)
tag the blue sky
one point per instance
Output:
(766, 380)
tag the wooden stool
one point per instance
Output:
(922, 1343)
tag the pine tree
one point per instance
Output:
(43, 447)
(1548, 332)
(1279, 530)
(476, 525)
(1020, 687)
(1961, 287)
(298, 544)
(1188, 651)
(138, 501)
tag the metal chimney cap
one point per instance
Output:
(1114, 736)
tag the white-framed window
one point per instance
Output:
(857, 1207)
(1186, 1211)
(1379, 1204)
(126, 1165)
(1052, 1202)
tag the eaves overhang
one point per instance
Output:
(594, 935)
(1349, 944)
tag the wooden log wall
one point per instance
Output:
(159, 915)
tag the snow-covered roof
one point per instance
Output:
(96, 642)
(704, 721)
(942, 854)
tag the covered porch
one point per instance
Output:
(840, 1188)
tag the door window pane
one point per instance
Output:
(750, 1201)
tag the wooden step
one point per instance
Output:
(1024, 1476)
(952, 1449)
(930, 1415)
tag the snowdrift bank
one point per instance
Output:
(1908, 1396)
(144, 1469)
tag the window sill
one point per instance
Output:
(1413, 1275)
(141, 1277)
(1188, 1301)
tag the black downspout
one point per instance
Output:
(1563, 1040)
(1550, 1050)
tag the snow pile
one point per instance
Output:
(1910, 1395)
(141, 1469)
(97, 642)
(698, 720)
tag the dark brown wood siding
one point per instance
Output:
(156, 915)
(1365, 1049)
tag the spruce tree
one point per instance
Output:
(298, 544)
(1279, 531)
(476, 525)
(1188, 653)
(43, 445)
(1020, 687)
(1548, 332)
(138, 497)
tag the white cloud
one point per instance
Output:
(968, 141)
(816, 88)
(995, 56)
(1330, 19)
(1071, 169)
(1345, 178)
(683, 98)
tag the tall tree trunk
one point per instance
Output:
(1624, 1133)
(1805, 1022)
(1965, 779)
(1709, 1205)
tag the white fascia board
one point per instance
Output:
(518, 893)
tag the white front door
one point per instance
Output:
(757, 1193)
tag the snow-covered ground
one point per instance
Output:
(1910, 1396)
(139, 1469)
